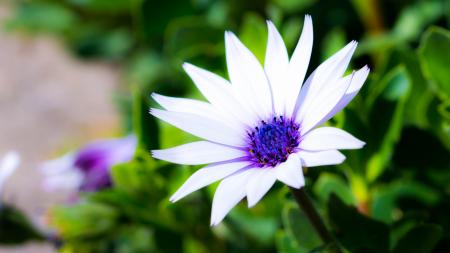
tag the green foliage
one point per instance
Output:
(421, 239)
(390, 196)
(355, 231)
(15, 227)
(299, 233)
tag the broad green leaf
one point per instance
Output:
(387, 120)
(109, 7)
(420, 239)
(286, 244)
(136, 239)
(298, 227)
(15, 228)
(42, 17)
(253, 34)
(333, 41)
(138, 175)
(384, 206)
(434, 53)
(144, 124)
(261, 228)
(355, 231)
(328, 183)
(84, 220)
(408, 27)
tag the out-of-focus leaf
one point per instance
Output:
(286, 244)
(420, 239)
(387, 120)
(154, 17)
(42, 17)
(110, 7)
(334, 41)
(15, 228)
(384, 204)
(84, 220)
(328, 183)
(355, 231)
(290, 31)
(434, 53)
(253, 34)
(298, 227)
(144, 124)
(138, 175)
(292, 6)
(261, 229)
(136, 239)
(192, 37)
(409, 25)
(144, 68)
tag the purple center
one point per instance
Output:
(270, 143)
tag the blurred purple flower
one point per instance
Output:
(88, 168)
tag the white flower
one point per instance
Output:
(8, 165)
(260, 126)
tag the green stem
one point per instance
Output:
(308, 208)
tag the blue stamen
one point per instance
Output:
(270, 143)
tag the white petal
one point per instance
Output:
(259, 184)
(201, 152)
(298, 64)
(248, 77)
(356, 83)
(206, 176)
(8, 165)
(327, 138)
(290, 172)
(323, 104)
(229, 192)
(195, 107)
(202, 127)
(276, 65)
(219, 93)
(323, 78)
(321, 158)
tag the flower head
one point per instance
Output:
(262, 125)
(88, 168)
(8, 164)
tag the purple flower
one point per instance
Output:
(88, 168)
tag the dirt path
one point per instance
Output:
(49, 101)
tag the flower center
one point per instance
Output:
(270, 143)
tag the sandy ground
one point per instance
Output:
(49, 102)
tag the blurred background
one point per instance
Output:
(74, 71)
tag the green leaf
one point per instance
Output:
(384, 200)
(286, 244)
(260, 228)
(299, 228)
(144, 124)
(420, 239)
(387, 120)
(42, 17)
(110, 7)
(253, 34)
(355, 231)
(138, 175)
(328, 183)
(84, 220)
(136, 239)
(434, 52)
(15, 228)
